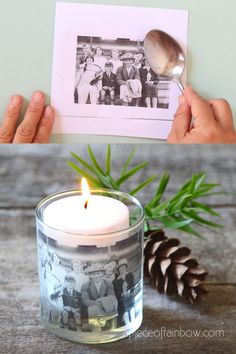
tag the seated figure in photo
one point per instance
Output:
(98, 295)
(123, 286)
(70, 315)
(88, 82)
(149, 85)
(128, 79)
(108, 84)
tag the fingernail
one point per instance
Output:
(15, 101)
(181, 100)
(38, 97)
(48, 111)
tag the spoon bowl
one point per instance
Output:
(165, 56)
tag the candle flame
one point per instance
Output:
(85, 192)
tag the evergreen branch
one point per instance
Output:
(83, 162)
(129, 159)
(160, 190)
(142, 185)
(108, 160)
(102, 178)
(85, 174)
(183, 211)
(132, 172)
(93, 159)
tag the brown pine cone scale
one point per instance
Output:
(171, 267)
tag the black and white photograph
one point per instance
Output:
(116, 72)
(90, 288)
(102, 82)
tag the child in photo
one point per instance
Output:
(108, 84)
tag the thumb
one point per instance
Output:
(182, 122)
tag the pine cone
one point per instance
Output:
(171, 267)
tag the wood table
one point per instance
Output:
(29, 173)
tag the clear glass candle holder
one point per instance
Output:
(91, 285)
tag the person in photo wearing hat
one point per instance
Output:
(128, 79)
(108, 84)
(123, 286)
(87, 81)
(138, 60)
(126, 75)
(71, 302)
(98, 294)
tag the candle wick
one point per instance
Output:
(86, 205)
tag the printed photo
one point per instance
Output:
(90, 288)
(102, 83)
(116, 72)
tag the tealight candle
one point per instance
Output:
(90, 250)
(87, 214)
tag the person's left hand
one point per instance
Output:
(36, 126)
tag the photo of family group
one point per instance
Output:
(116, 72)
(78, 294)
(102, 83)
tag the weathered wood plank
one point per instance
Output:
(21, 333)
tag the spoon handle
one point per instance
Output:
(180, 85)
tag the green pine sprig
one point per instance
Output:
(184, 208)
(184, 211)
(101, 177)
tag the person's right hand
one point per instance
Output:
(36, 126)
(212, 124)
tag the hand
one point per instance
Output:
(125, 286)
(213, 121)
(92, 302)
(36, 126)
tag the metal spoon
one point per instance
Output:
(165, 56)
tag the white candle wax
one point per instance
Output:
(103, 215)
